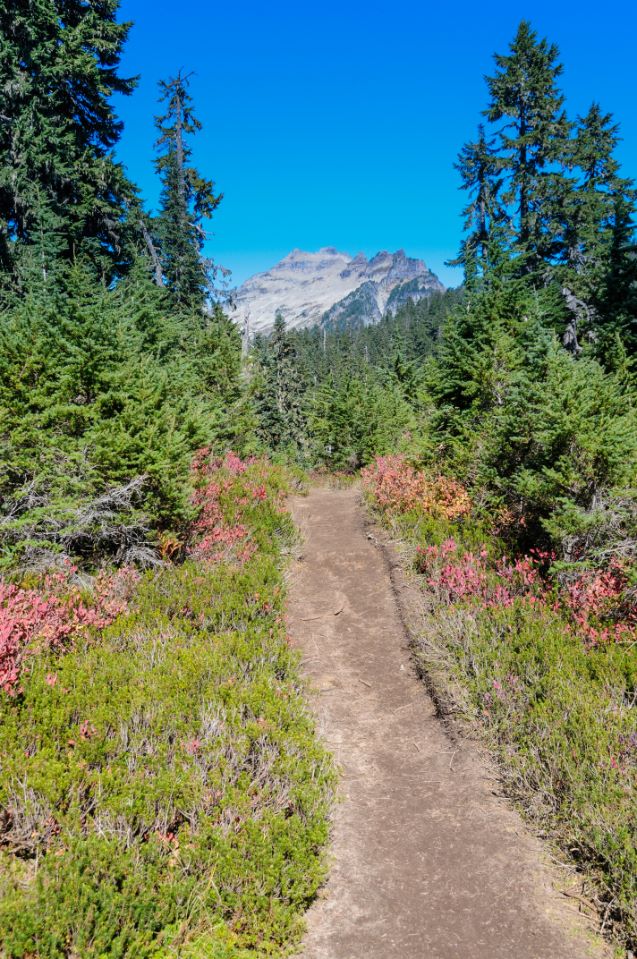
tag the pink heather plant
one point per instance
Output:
(593, 600)
(217, 538)
(52, 615)
(589, 599)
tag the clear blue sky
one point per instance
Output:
(337, 124)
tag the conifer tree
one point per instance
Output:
(280, 391)
(619, 291)
(61, 192)
(592, 207)
(532, 145)
(600, 227)
(484, 216)
(187, 198)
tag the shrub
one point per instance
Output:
(397, 486)
(105, 395)
(53, 615)
(162, 791)
(560, 717)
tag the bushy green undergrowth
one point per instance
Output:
(558, 711)
(105, 395)
(162, 792)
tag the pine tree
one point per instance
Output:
(61, 192)
(598, 228)
(565, 437)
(619, 291)
(101, 387)
(532, 146)
(280, 392)
(593, 206)
(187, 198)
(484, 217)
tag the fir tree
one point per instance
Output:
(101, 388)
(484, 216)
(61, 192)
(597, 212)
(187, 198)
(532, 145)
(601, 191)
(619, 291)
(280, 392)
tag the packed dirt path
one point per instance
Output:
(427, 861)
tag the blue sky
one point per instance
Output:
(337, 124)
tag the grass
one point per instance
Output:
(162, 790)
(560, 717)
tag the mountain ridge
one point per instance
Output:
(329, 287)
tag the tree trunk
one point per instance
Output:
(154, 255)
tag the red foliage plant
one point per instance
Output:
(591, 600)
(53, 614)
(216, 537)
(456, 575)
(398, 487)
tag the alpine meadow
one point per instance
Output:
(291, 568)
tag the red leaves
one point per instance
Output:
(597, 604)
(53, 614)
(398, 488)
(457, 575)
(222, 490)
(589, 599)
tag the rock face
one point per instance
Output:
(331, 288)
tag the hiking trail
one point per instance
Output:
(427, 862)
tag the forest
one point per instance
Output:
(163, 789)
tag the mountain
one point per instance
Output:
(331, 288)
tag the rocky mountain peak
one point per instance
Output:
(331, 287)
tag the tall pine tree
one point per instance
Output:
(280, 391)
(532, 130)
(484, 216)
(601, 248)
(547, 203)
(187, 198)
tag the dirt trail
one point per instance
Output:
(427, 861)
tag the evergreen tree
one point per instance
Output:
(101, 388)
(187, 198)
(280, 392)
(484, 217)
(548, 204)
(532, 146)
(619, 291)
(61, 192)
(564, 439)
(601, 194)
(598, 228)
(356, 419)
(592, 205)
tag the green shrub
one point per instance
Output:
(162, 791)
(562, 721)
(104, 397)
